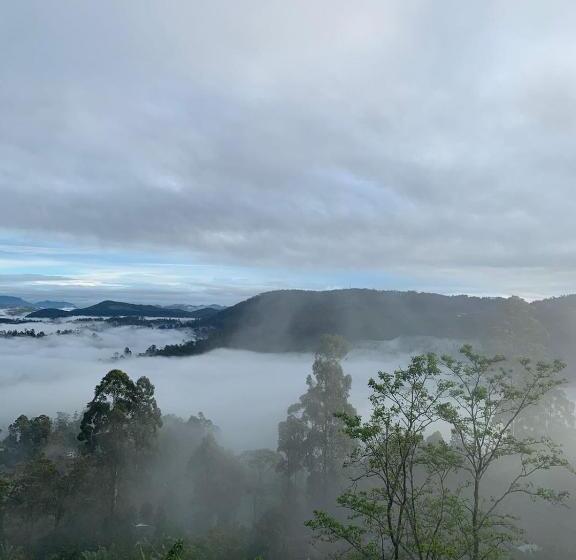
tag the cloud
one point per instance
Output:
(422, 140)
(245, 393)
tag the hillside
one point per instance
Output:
(49, 304)
(293, 320)
(11, 301)
(121, 309)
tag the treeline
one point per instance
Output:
(199, 345)
(140, 322)
(123, 481)
(32, 333)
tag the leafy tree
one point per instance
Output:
(423, 499)
(399, 504)
(120, 423)
(312, 436)
(486, 399)
(27, 437)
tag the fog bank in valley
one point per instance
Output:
(245, 393)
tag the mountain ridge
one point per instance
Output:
(110, 308)
(293, 320)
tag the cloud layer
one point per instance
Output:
(429, 140)
(245, 393)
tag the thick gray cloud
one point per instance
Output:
(386, 135)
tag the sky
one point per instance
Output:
(204, 151)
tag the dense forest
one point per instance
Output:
(121, 309)
(453, 449)
(294, 321)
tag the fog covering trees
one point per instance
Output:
(456, 456)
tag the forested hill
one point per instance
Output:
(122, 309)
(293, 320)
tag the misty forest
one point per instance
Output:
(456, 454)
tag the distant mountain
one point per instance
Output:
(7, 302)
(293, 320)
(187, 307)
(121, 309)
(48, 313)
(48, 304)
(11, 301)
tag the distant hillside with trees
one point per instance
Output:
(294, 320)
(122, 309)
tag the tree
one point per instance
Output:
(552, 416)
(120, 423)
(261, 463)
(312, 436)
(422, 499)
(399, 502)
(4, 494)
(218, 480)
(292, 434)
(486, 399)
(33, 490)
(27, 437)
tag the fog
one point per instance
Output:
(245, 393)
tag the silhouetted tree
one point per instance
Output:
(312, 436)
(120, 424)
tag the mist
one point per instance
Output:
(245, 393)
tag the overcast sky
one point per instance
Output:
(203, 151)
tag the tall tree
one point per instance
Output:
(119, 425)
(486, 399)
(416, 499)
(399, 504)
(312, 436)
(27, 437)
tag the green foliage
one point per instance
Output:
(8, 552)
(131, 487)
(414, 498)
(33, 490)
(120, 413)
(175, 552)
(486, 400)
(400, 503)
(332, 347)
(120, 425)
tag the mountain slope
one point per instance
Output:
(11, 301)
(121, 309)
(293, 320)
(49, 304)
